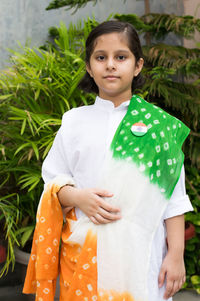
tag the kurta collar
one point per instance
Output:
(109, 105)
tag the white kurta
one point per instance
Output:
(79, 151)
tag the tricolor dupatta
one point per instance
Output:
(111, 262)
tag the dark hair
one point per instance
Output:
(87, 83)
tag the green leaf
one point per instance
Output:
(23, 126)
(27, 235)
(4, 97)
(195, 279)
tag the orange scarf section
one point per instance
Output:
(76, 265)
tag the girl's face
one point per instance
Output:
(113, 66)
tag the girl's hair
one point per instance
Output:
(87, 83)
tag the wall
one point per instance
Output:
(192, 7)
(28, 21)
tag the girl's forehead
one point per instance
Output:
(114, 39)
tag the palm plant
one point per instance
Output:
(34, 93)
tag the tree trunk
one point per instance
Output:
(147, 11)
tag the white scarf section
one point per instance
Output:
(124, 246)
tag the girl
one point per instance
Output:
(116, 168)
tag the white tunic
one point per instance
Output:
(79, 151)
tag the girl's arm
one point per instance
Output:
(91, 202)
(173, 268)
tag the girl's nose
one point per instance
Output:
(110, 64)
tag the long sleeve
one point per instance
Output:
(56, 163)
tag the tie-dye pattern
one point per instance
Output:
(110, 262)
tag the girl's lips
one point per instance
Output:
(111, 77)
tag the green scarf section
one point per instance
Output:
(158, 152)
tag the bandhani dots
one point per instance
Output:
(131, 143)
(123, 153)
(38, 284)
(66, 284)
(128, 123)
(40, 299)
(171, 171)
(122, 132)
(78, 292)
(134, 112)
(136, 149)
(94, 298)
(162, 134)
(158, 173)
(89, 287)
(149, 164)
(86, 266)
(166, 146)
(158, 162)
(94, 259)
(153, 135)
(143, 110)
(49, 230)
(118, 148)
(41, 238)
(169, 161)
(33, 257)
(174, 126)
(55, 242)
(42, 219)
(49, 250)
(148, 115)
(140, 156)
(158, 148)
(149, 126)
(156, 121)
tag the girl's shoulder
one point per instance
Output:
(78, 114)
(150, 109)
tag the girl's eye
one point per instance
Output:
(121, 57)
(100, 58)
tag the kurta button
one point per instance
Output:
(139, 129)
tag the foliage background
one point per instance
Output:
(42, 84)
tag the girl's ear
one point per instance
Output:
(139, 66)
(88, 69)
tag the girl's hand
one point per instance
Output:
(91, 202)
(173, 270)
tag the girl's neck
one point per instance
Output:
(116, 100)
